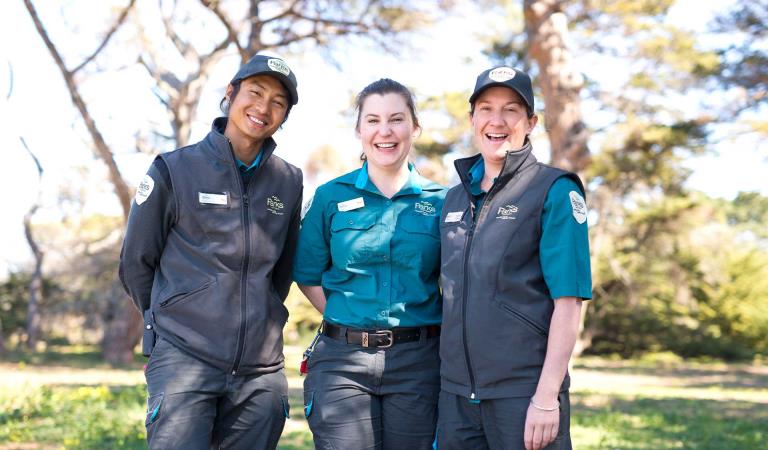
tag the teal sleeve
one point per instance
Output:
(564, 246)
(313, 256)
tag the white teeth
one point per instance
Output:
(256, 120)
(496, 135)
(385, 145)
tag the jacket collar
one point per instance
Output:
(513, 162)
(222, 147)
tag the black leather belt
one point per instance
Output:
(375, 338)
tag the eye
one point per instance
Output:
(278, 103)
(397, 119)
(372, 121)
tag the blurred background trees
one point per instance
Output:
(673, 269)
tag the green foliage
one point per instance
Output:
(14, 298)
(677, 277)
(87, 417)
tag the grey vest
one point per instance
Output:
(213, 293)
(496, 305)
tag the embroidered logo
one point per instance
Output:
(506, 212)
(425, 208)
(275, 205)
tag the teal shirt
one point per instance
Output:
(564, 245)
(377, 259)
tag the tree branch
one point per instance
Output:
(101, 148)
(226, 22)
(106, 39)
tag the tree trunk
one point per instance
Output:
(122, 328)
(119, 338)
(36, 282)
(547, 30)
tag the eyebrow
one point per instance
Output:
(402, 113)
(279, 94)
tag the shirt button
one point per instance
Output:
(383, 313)
(385, 284)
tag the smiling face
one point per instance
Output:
(500, 123)
(386, 129)
(256, 111)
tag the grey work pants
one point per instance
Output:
(194, 405)
(497, 424)
(364, 398)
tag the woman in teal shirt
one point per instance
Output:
(368, 258)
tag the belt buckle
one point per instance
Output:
(390, 335)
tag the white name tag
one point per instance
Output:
(212, 199)
(453, 216)
(349, 205)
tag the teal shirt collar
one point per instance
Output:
(476, 173)
(253, 165)
(415, 184)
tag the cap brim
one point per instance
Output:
(477, 93)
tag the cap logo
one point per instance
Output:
(278, 65)
(502, 74)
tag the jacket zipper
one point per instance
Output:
(467, 247)
(244, 272)
(467, 250)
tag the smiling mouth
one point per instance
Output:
(385, 146)
(256, 121)
(496, 137)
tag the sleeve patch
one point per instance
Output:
(144, 189)
(579, 207)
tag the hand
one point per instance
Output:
(540, 427)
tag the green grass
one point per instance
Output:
(616, 405)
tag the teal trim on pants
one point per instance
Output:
(193, 405)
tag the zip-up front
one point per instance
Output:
(467, 247)
(208, 275)
(495, 301)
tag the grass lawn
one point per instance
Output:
(67, 399)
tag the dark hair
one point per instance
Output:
(386, 86)
(224, 103)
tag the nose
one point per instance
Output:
(496, 118)
(385, 129)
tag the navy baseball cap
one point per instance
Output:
(505, 76)
(272, 66)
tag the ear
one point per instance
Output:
(229, 92)
(532, 123)
(416, 132)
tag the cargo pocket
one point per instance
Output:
(309, 398)
(154, 403)
(286, 406)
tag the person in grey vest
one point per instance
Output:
(207, 259)
(514, 271)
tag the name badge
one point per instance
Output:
(212, 199)
(349, 205)
(453, 216)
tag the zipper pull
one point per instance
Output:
(245, 200)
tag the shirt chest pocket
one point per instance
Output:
(352, 236)
(417, 242)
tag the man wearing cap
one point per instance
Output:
(207, 259)
(514, 270)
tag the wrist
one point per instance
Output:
(548, 407)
